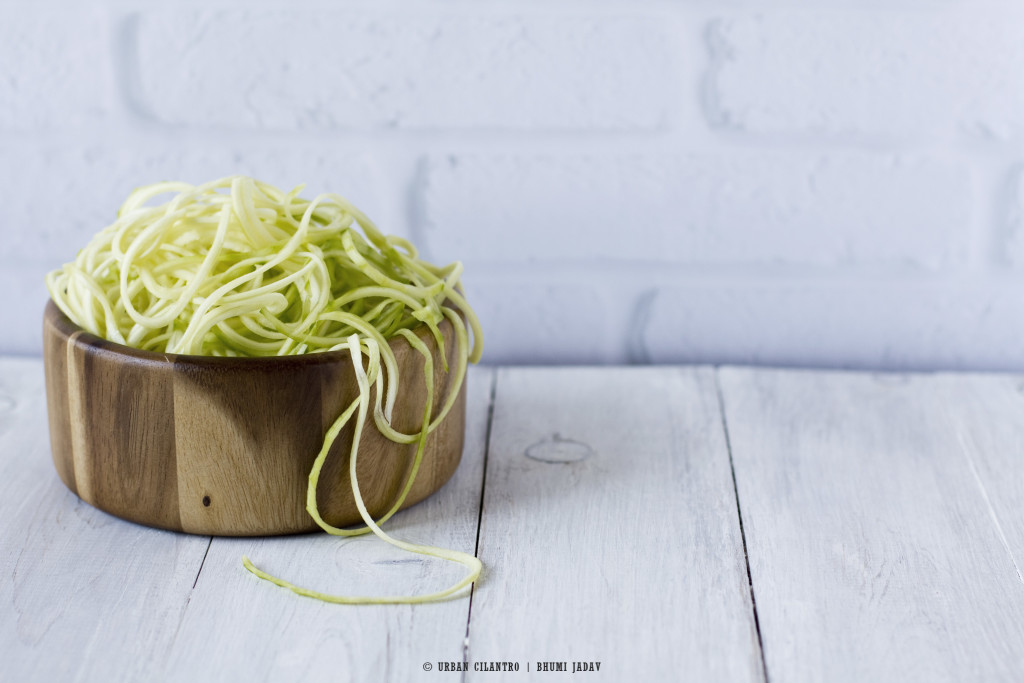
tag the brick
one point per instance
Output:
(539, 323)
(845, 209)
(877, 72)
(59, 197)
(57, 70)
(1011, 246)
(330, 69)
(871, 324)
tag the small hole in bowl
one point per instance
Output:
(206, 501)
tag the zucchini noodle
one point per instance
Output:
(237, 267)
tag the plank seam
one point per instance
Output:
(480, 514)
(188, 598)
(739, 515)
(201, 564)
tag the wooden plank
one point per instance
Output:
(238, 627)
(872, 551)
(986, 413)
(82, 594)
(610, 530)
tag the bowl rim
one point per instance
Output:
(75, 335)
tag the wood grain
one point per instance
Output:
(610, 531)
(986, 414)
(240, 628)
(83, 595)
(224, 446)
(122, 445)
(881, 512)
(873, 552)
(58, 409)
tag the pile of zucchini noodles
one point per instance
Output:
(237, 267)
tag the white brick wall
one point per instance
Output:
(56, 68)
(838, 209)
(895, 73)
(334, 69)
(760, 181)
(885, 323)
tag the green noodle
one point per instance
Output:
(236, 267)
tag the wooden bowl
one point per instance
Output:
(224, 446)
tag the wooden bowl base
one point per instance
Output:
(224, 446)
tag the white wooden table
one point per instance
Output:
(670, 523)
